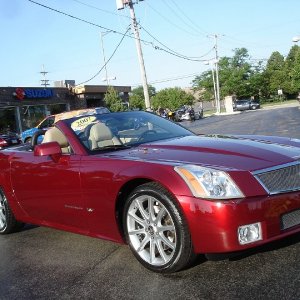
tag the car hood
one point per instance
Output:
(218, 151)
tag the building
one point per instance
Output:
(24, 107)
(93, 95)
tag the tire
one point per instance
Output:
(8, 223)
(156, 230)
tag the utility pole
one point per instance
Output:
(120, 5)
(44, 82)
(211, 63)
(215, 36)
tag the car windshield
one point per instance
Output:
(123, 129)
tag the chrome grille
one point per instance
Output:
(284, 178)
(290, 219)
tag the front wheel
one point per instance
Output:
(155, 229)
(8, 223)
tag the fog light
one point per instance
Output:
(249, 233)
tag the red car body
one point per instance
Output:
(85, 193)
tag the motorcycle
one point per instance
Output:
(185, 114)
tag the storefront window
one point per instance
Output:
(8, 120)
(56, 108)
(33, 115)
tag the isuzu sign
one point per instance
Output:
(21, 93)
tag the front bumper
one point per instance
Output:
(214, 224)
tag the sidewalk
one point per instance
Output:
(263, 106)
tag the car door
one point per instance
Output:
(49, 190)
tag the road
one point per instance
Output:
(274, 120)
(42, 263)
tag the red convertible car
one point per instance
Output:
(136, 178)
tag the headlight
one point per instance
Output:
(209, 183)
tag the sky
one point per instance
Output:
(176, 38)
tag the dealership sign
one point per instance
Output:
(21, 93)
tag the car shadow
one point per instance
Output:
(275, 245)
(272, 246)
(29, 227)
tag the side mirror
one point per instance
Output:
(48, 149)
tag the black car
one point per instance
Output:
(9, 139)
(246, 104)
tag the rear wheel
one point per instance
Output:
(156, 231)
(8, 223)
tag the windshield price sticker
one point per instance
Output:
(82, 123)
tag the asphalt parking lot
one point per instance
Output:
(43, 263)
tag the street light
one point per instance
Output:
(211, 63)
(104, 59)
(215, 36)
(107, 79)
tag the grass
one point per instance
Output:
(279, 103)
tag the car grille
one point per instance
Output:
(284, 178)
(290, 219)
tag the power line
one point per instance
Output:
(169, 79)
(76, 18)
(107, 60)
(166, 19)
(172, 52)
(100, 9)
(179, 17)
(169, 51)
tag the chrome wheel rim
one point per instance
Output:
(151, 230)
(2, 213)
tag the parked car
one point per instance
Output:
(49, 121)
(9, 139)
(246, 105)
(166, 192)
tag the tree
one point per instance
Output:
(137, 99)
(204, 83)
(112, 99)
(274, 74)
(291, 84)
(235, 74)
(172, 98)
(257, 83)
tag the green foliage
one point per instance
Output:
(113, 101)
(172, 98)
(292, 71)
(243, 78)
(204, 82)
(137, 99)
(274, 74)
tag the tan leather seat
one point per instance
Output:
(101, 136)
(55, 135)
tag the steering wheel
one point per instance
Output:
(145, 134)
